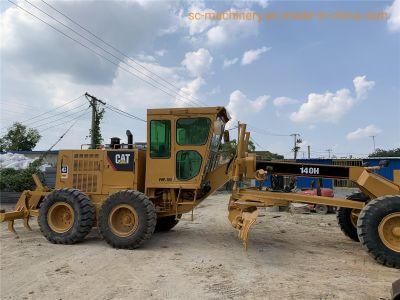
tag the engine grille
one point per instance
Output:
(86, 169)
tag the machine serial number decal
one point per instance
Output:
(309, 170)
(163, 179)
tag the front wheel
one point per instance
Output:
(378, 229)
(127, 219)
(347, 217)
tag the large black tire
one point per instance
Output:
(137, 209)
(343, 216)
(165, 224)
(81, 210)
(369, 221)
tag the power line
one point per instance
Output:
(57, 114)
(124, 113)
(177, 94)
(116, 109)
(56, 125)
(46, 112)
(67, 116)
(118, 51)
(60, 138)
(90, 49)
(18, 104)
(255, 142)
(265, 132)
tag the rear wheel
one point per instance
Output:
(378, 228)
(127, 219)
(165, 224)
(347, 217)
(66, 216)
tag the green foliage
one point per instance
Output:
(19, 180)
(267, 155)
(228, 150)
(386, 153)
(19, 138)
(251, 147)
(98, 139)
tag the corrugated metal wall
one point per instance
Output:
(394, 164)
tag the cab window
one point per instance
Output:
(188, 163)
(193, 131)
(160, 139)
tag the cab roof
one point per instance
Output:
(216, 110)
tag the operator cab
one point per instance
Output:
(182, 145)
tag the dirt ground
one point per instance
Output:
(290, 256)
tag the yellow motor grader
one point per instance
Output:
(128, 192)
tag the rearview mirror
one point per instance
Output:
(226, 136)
(218, 127)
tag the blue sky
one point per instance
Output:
(280, 77)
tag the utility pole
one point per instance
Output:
(93, 103)
(329, 152)
(309, 151)
(296, 141)
(373, 141)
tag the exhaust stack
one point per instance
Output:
(130, 139)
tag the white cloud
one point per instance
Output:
(360, 133)
(253, 55)
(262, 3)
(394, 18)
(189, 92)
(330, 107)
(217, 36)
(283, 101)
(160, 52)
(230, 62)
(227, 32)
(240, 106)
(47, 91)
(145, 57)
(25, 40)
(250, 3)
(216, 32)
(362, 86)
(199, 62)
(197, 26)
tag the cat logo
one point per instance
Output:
(122, 159)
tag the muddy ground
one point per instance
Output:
(290, 256)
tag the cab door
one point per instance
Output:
(160, 160)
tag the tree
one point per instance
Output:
(19, 138)
(267, 155)
(229, 149)
(19, 180)
(97, 138)
(386, 153)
